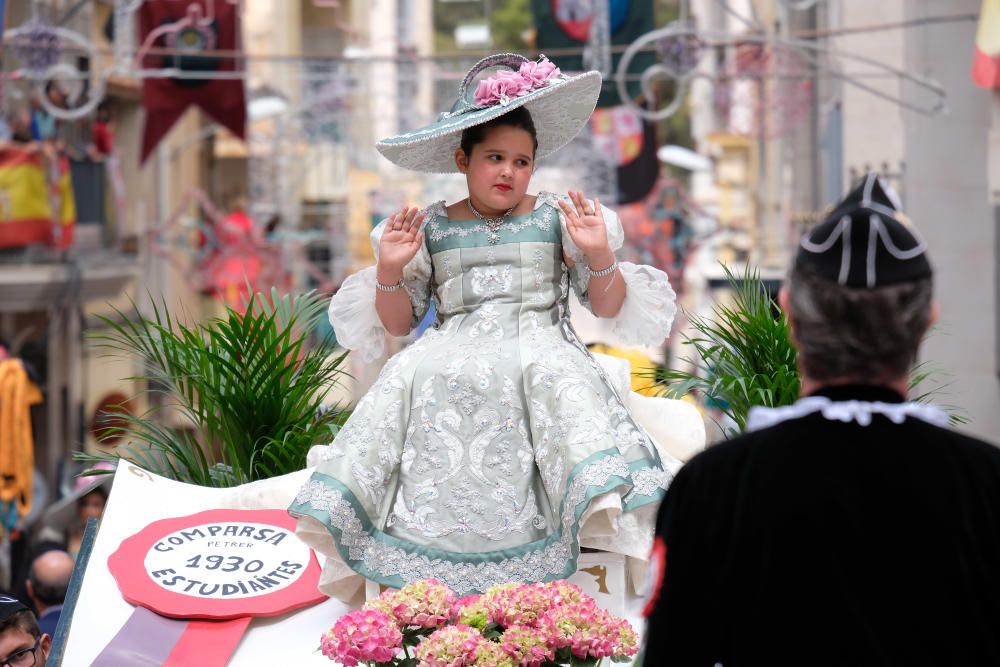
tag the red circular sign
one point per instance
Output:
(218, 564)
(109, 417)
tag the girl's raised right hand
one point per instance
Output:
(401, 239)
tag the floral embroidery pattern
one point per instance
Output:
(542, 562)
(489, 434)
(491, 280)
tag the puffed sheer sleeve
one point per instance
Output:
(650, 303)
(352, 309)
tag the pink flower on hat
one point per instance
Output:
(537, 73)
(501, 88)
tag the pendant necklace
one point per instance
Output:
(492, 224)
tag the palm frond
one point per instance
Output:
(250, 383)
(742, 354)
(925, 386)
(743, 357)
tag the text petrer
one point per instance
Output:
(243, 532)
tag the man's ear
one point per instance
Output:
(45, 645)
(785, 302)
(935, 314)
(461, 160)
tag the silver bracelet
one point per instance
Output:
(604, 272)
(388, 288)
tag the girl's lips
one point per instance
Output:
(503, 188)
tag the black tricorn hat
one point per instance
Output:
(865, 242)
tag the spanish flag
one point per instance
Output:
(36, 198)
(986, 61)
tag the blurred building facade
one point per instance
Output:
(768, 186)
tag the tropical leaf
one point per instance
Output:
(743, 357)
(251, 384)
(742, 354)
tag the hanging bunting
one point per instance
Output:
(628, 142)
(191, 31)
(986, 58)
(565, 25)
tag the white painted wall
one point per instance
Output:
(947, 196)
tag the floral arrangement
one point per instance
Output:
(505, 85)
(510, 625)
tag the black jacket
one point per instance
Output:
(823, 542)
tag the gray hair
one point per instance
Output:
(856, 334)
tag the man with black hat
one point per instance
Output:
(853, 527)
(22, 644)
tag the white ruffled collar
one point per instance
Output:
(845, 411)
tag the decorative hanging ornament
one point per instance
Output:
(36, 47)
(680, 53)
(574, 16)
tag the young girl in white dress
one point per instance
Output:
(495, 446)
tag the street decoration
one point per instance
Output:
(593, 28)
(37, 203)
(986, 56)
(755, 58)
(191, 32)
(17, 451)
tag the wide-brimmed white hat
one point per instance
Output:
(559, 105)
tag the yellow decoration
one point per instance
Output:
(640, 363)
(17, 448)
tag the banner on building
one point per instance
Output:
(563, 29)
(628, 142)
(190, 40)
(986, 58)
(36, 198)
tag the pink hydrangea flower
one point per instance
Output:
(500, 88)
(562, 592)
(471, 611)
(490, 654)
(528, 646)
(588, 631)
(425, 603)
(365, 635)
(537, 73)
(518, 604)
(450, 646)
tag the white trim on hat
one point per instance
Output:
(559, 109)
(843, 228)
(866, 198)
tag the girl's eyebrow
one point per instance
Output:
(500, 151)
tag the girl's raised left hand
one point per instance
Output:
(585, 224)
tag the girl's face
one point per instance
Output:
(499, 169)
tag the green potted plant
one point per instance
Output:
(251, 384)
(743, 357)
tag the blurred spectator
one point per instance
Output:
(48, 581)
(22, 643)
(19, 122)
(65, 521)
(43, 124)
(102, 133)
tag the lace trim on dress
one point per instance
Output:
(550, 560)
(352, 308)
(650, 305)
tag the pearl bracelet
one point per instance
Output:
(388, 288)
(604, 272)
